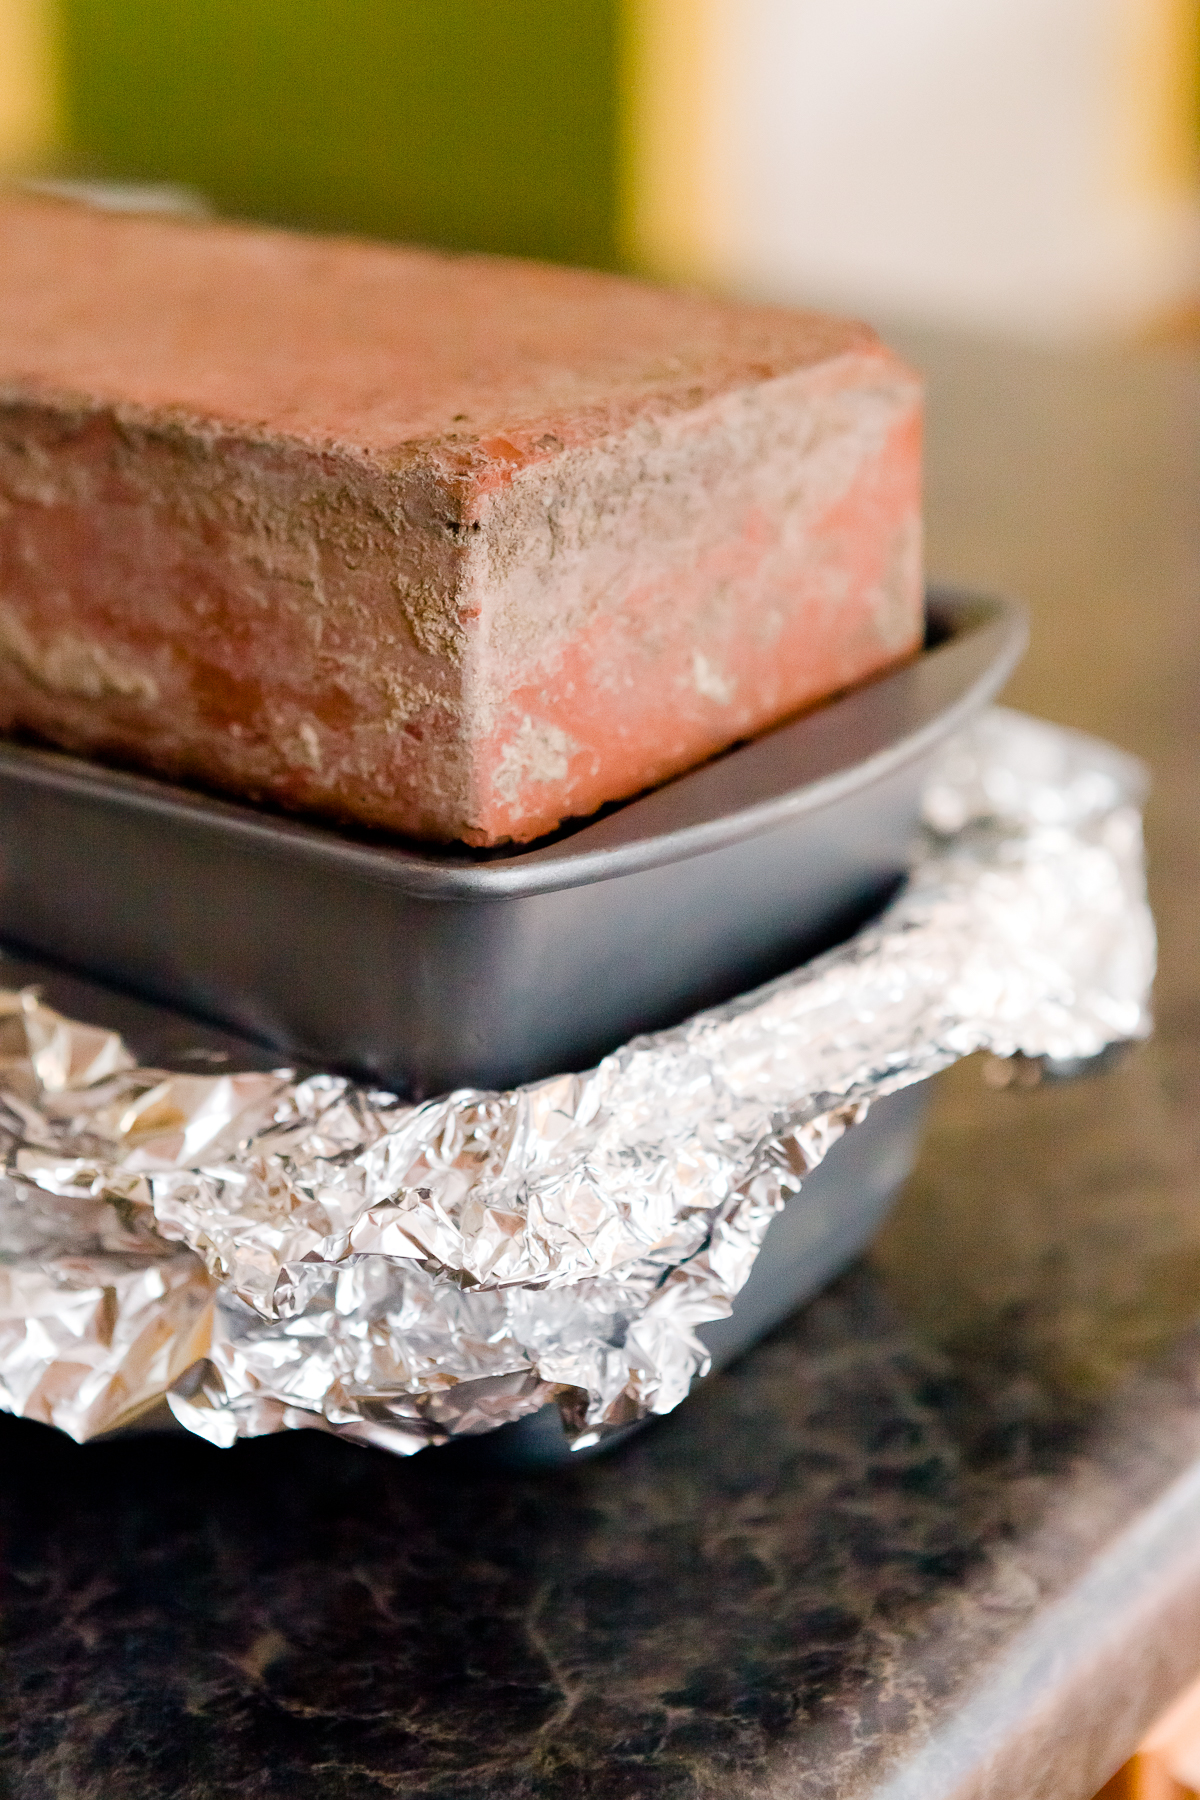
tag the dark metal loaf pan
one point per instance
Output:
(428, 969)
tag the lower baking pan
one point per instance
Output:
(427, 969)
(820, 1230)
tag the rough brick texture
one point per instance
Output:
(456, 546)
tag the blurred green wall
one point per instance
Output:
(483, 124)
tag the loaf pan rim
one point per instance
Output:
(573, 861)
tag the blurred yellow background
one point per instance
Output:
(29, 119)
(1027, 165)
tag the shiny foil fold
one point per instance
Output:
(267, 1251)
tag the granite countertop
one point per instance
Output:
(937, 1536)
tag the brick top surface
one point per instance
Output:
(370, 347)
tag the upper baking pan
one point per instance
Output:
(430, 968)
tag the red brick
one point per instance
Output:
(456, 546)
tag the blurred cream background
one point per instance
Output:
(1027, 165)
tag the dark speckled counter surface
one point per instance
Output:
(938, 1536)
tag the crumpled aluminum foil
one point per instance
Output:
(269, 1251)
